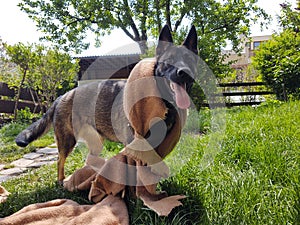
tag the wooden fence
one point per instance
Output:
(28, 98)
(240, 94)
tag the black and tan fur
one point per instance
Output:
(85, 112)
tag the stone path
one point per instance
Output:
(31, 160)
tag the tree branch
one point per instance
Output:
(143, 20)
(131, 22)
(168, 15)
(157, 14)
(225, 25)
(124, 29)
(77, 19)
(182, 15)
(178, 22)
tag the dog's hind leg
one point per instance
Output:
(65, 145)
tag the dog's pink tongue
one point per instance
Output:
(181, 96)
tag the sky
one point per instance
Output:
(15, 26)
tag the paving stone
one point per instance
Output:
(4, 178)
(22, 162)
(48, 158)
(38, 164)
(48, 155)
(32, 155)
(12, 171)
(48, 151)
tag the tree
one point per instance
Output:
(53, 72)
(23, 57)
(42, 69)
(66, 22)
(7, 69)
(289, 18)
(278, 60)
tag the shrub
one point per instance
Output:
(278, 62)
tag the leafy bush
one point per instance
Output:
(197, 95)
(26, 116)
(278, 62)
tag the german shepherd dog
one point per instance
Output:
(85, 112)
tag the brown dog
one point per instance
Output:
(86, 112)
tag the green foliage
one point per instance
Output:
(66, 22)
(278, 62)
(44, 141)
(222, 21)
(254, 178)
(8, 149)
(9, 131)
(23, 57)
(37, 186)
(46, 70)
(197, 95)
(52, 70)
(198, 122)
(289, 18)
(25, 116)
(111, 148)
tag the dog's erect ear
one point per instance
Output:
(164, 41)
(191, 40)
(165, 34)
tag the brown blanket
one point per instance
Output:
(111, 211)
(3, 194)
(118, 173)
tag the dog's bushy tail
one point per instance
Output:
(38, 128)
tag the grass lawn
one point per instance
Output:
(246, 172)
(10, 151)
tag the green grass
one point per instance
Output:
(255, 177)
(9, 151)
(246, 172)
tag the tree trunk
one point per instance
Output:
(143, 46)
(18, 95)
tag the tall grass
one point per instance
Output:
(255, 177)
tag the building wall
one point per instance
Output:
(249, 46)
(243, 60)
(106, 67)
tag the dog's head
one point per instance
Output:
(178, 64)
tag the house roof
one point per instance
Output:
(107, 66)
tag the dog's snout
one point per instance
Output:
(183, 72)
